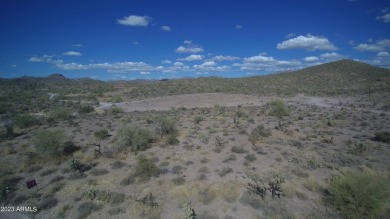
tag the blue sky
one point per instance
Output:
(119, 39)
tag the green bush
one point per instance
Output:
(25, 120)
(51, 142)
(101, 134)
(278, 109)
(86, 109)
(259, 132)
(145, 168)
(198, 119)
(136, 138)
(61, 114)
(172, 140)
(360, 194)
(166, 126)
(382, 136)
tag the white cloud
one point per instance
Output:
(72, 53)
(36, 59)
(290, 35)
(220, 58)
(208, 63)
(238, 26)
(166, 28)
(368, 48)
(178, 64)
(166, 62)
(189, 48)
(382, 54)
(311, 59)
(134, 20)
(331, 56)
(193, 58)
(77, 45)
(308, 42)
(135, 43)
(385, 18)
(379, 46)
(259, 58)
(187, 42)
(384, 43)
(145, 73)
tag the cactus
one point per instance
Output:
(189, 212)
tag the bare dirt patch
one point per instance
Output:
(187, 101)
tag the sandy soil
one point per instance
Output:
(188, 101)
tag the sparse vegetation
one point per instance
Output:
(363, 194)
(382, 136)
(137, 139)
(51, 142)
(259, 132)
(145, 168)
(101, 134)
(278, 108)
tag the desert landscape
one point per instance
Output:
(312, 143)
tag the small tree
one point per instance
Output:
(51, 142)
(278, 109)
(136, 138)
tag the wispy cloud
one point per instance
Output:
(72, 53)
(379, 46)
(192, 58)
(311, 59)
(308, 42)
(77, 45)
(238, 26)
(134, 20)
(166, 28)
(385, 18)
(189, 47)
(224, 58)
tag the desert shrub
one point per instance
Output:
(225, 171)
(127, 181)
(98, 172)
(136, 138)
(250, 157)
(172, 140)
(278, 109)
(47, 203)
(115, 211)
(358, 148)
(117, 198)
(382, 136)
(61, 114)
(259, 132)
(101, 134)
(198, 119)
(8, 185)
(25, 120)
(238, 149)
(145, 168)
(178, 180)
(115, 110)
(86, 109)
(117, 164)
(177, 169)
(166, 126)
(86, 208)
(51, 142)
(205, 196)
(360, 194)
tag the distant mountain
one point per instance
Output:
(55, 78)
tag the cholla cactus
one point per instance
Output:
(189, 212)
